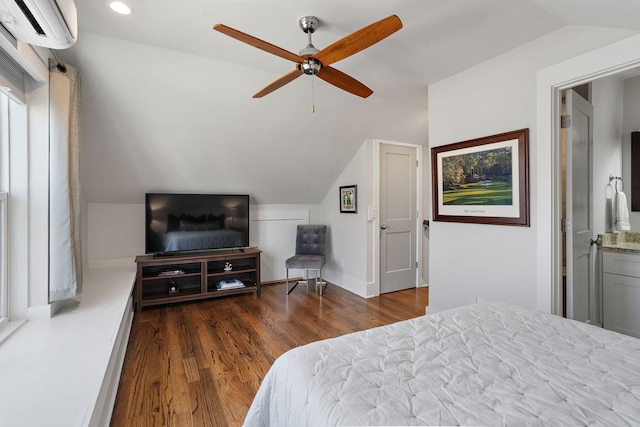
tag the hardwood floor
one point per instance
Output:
(200, 364)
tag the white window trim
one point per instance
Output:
(4, 294)
(4, 288)
(7, 327)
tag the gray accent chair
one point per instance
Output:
(310, 253)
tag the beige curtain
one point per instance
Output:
(65, 255)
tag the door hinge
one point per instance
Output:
(417, 163)
(565, 225)
(416, 264)
(565, 121)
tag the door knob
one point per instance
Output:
(383, 227)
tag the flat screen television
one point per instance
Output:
(195, 222)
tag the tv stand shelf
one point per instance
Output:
(194, 276)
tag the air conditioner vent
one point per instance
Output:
(46, 23)
(32, 19)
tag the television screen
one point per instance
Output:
(195, 222)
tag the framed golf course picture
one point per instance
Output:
(484, 180)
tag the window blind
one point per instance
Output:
(12, 78)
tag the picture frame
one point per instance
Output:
(349, 199)
(483, 180)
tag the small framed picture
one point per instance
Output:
(349, 199)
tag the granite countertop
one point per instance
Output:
(620, 242)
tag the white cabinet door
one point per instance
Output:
(621, 304)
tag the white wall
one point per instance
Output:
(347, 234)
(273, 230)
(497, 262)
(115, 233)
(630, 123)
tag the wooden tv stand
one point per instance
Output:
(187, 277)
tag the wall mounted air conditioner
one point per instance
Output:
(46, 23)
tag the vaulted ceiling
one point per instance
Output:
(166, 101)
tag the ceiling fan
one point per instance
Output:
(317, 62)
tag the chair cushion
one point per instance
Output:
(311, 239)
(315, 262)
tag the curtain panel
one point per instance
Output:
(65, 255)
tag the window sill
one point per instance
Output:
(6, 330)
(70, 363)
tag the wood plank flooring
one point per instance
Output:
(200, 364)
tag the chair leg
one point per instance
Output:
(294, 285)
(320, 282)
(306, 278)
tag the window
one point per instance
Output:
(23, 139)
(4, 166)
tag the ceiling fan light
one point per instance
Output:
(310, 66)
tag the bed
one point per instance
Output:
(483, 364)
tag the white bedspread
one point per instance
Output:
(485, 364)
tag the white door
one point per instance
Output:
(398, 215)
(579, 208)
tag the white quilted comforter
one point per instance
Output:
(485, 364)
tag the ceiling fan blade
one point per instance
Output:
(359, 40)
(344, 81)
(277, 84)
(256, 42)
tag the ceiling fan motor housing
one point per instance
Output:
(309, 24)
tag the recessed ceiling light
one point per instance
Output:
(121, 8)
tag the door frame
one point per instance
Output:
(551, 81)
(373, 217)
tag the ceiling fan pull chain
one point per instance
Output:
(313, 93)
